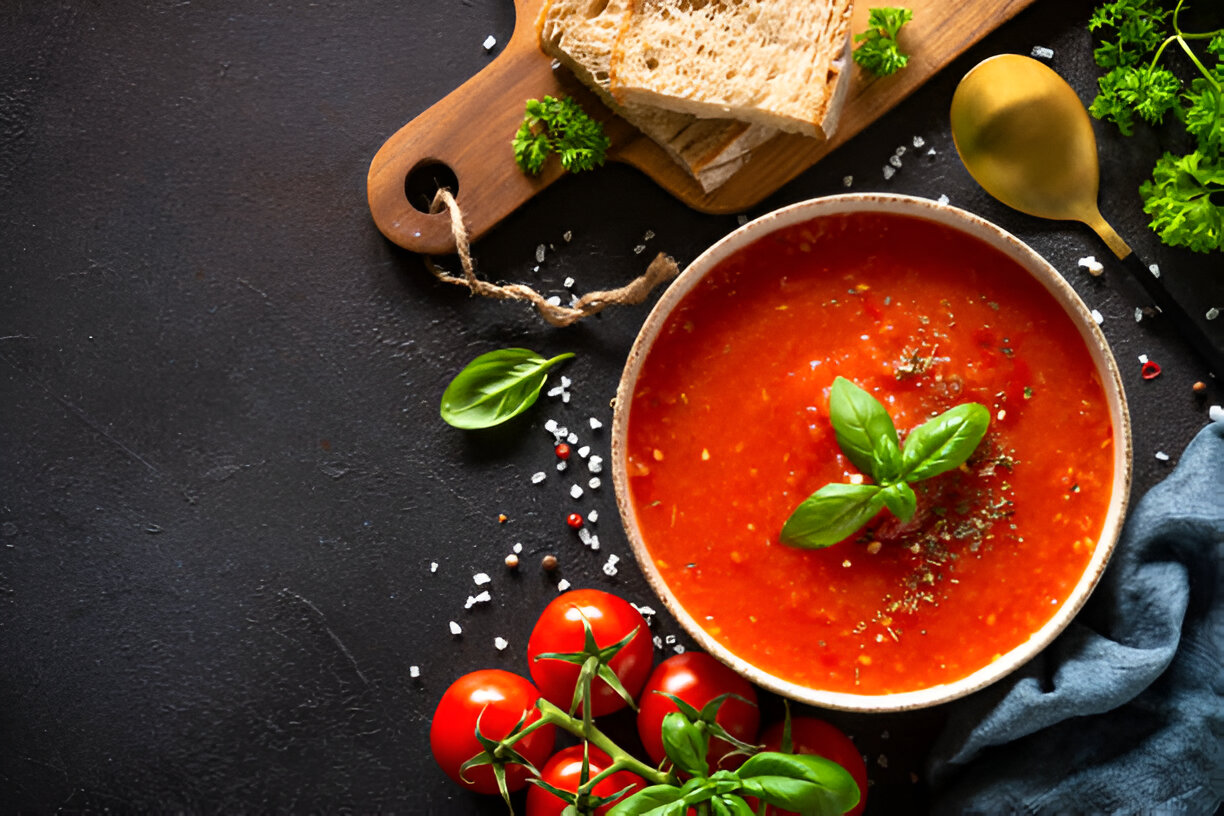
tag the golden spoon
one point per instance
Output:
(1025, 137)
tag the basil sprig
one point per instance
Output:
(866, 434)
(495, 387)
(801, 783)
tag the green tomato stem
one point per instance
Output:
(621, 759)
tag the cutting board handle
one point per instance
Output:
(466, 134)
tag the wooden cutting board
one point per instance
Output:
(470, 130)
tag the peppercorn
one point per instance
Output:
(512, 561)
(563, 451)
(574, 520)
(549, 563)
(1200, 387)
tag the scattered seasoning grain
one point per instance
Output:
(501, 518)
(512, 561)
(549, 562)
(574, 520)
(1199, 387)
(414, 672)
(1150, 370)
(562, 450)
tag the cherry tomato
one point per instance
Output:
(560, 629)
(812, 736)
(498, 699)
(564, 771)
(696, 678)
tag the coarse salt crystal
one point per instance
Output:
(595, 464)
(594, 483)
(572, 438)
(568, 283)
(919, 141)
(414, 671)
(931, 152)
(594, 543)
(1098, 317)
(538, 477)
(1138, 314)
(455, 629)
(593, 516)
(555, 300)
(576, 491)
(433, 566)
(595, 424)
(556, 391)
(584, 451)
(584, 535)
(895, 161)
(489, 42)
(551, 426)
(565, 397)
(1093, 266)
(847, 181)
(889, 171)
(481, 578)
(566, 382)
(657, 641)
(1162, 456)
(561, 465)
(1143, 358)
(500, 643)
(741, 219)
(567, 236)
(472, 600)
(1216, 413)
(563, 585)
(943, 199)
(518, 548)
(648, 235)
(639, 249)
(678, 648)
(900, 151)
(609, 566)
(1212, 313)
(644, 611)
(669, 640)
(1155, 270)
(539, 256)
(1041, 52)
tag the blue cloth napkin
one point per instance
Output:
(1124, 712)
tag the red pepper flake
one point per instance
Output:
(1150, 370)
(501, 518)
(563, 451)
(574, 520)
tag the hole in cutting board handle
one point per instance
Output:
(424, 180)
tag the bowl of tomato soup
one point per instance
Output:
(722, 427)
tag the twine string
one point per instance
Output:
(660, 270)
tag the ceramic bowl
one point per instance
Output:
(1075, 310)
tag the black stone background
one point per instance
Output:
(222, 473)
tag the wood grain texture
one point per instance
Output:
(470, 130)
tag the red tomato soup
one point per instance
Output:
(729, 431)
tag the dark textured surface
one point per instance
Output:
(223, 475)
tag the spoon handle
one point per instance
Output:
(1172, 310)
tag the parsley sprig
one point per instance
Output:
(559, 126)
(867, 436)
(1185, 196)
(878, 51)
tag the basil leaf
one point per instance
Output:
(830, 514)
(900, 500)
(945, 442)
(800, 782)
(495, 387)
(735, 806)
(864, 430)
(796, 795)
(657, 800)
(684, 745)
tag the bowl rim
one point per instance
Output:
(1075, 309)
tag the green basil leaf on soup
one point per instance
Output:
(900, 500)
(945, 442)
(832, 513)
(495, 387)
(864, 430)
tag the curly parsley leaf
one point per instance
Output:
(1179, 198)
(1205, 113)
(878, 51)
(1130, 30)
(559, 126)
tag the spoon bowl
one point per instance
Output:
(1025, 137)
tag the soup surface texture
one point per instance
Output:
(729, 431)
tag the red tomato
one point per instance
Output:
(564, 771)
(498, 699)
(812, 736)
(696, 678)
(560, 629)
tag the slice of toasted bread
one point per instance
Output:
(581, 35)
(779, 63)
